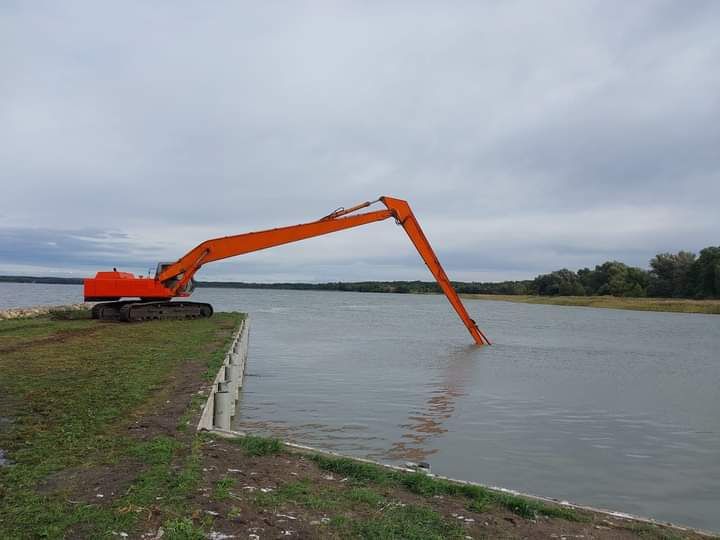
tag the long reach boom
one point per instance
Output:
(175, 279)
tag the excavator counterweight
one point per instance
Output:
(175, 280)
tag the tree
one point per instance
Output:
(669, 274)
(704, 275)
(561, 282)
(614, 278)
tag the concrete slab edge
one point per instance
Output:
(237, 356)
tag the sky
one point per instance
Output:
(527, 136)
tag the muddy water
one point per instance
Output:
(616, 409)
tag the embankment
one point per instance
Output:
(98, 426)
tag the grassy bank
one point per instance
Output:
(678, 305)
(97, 421)
(74, 395)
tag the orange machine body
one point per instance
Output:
(175, 279)
(114, 285)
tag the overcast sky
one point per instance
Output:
(527, 136)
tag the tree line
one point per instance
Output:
(671, 275)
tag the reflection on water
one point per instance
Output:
(430, 421)
(554, 407)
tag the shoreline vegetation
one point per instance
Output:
(98, 441)
(671, 305)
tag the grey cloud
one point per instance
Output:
(36, 246)
(174, 124)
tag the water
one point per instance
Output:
(616, 409)
(38, 294)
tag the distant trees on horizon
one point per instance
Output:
(671, 275)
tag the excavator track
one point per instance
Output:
(134, 311)
(109, 311)
(148, 311)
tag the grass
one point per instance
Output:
(222, 489)
(479, 498)
(409, 522)
(651, 532)
(301, 493)
(196, 404)
(387, 519)
(71, 387)
(183, 529)
(258, 446)
(678, 305)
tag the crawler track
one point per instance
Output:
(134, 311)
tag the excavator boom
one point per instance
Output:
(175, 279)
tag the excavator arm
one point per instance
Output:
(405, 217)
(175, 279)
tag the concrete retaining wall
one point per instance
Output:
(224, 392)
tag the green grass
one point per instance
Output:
(183, 529)
(365, 496)
(409, 522)
(222, 489)
(387, 519)
(155, 451)
(652, 532)
(72, 386)
(258, 446)
(196, 404)
(357, 470)
(678, 305)
(480, 498)
(300, 493)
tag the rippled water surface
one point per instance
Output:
(617, 409)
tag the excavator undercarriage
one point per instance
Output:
(135, 311)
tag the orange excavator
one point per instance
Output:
(175, 280)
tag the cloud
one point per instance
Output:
(526, 138)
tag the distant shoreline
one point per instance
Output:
(672, 305)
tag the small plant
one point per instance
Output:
(258, 446)
(357, 470)
(196, 404)
(222, 488)
(365, 496)
(156, 451)
(234, 512)
(183, 529)
(651, 532)
(408, 522)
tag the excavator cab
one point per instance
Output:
(185, 290)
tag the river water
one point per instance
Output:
(616, 409)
